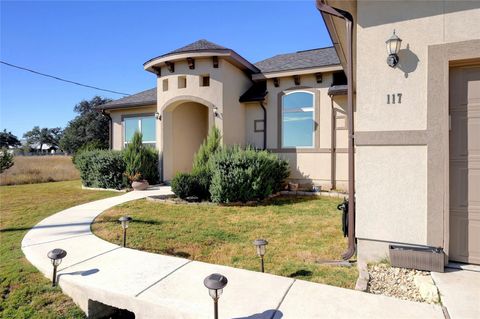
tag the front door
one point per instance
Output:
(465, 164)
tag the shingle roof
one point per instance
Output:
(143, 98)
(198, 46)
(256, 92)
(299, 60)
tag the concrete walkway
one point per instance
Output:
(460, 292)
(157, 286)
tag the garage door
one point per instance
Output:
(465, 164)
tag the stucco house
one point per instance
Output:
(417, 123)
(291, 104)
(414, 147)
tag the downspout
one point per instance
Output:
(333, 147)
(264, 125)
(322, 7)
(109, 128)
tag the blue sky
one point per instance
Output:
(105, 43)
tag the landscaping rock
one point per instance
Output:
(399, 283)
(427, 288)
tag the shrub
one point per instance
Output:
(102, 168)
(208, 148)
(182, 185)
(6, 160)
(89, 146)
(245, 174)
(141, 161)
(195, 184)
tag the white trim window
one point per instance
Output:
(144, 124)
(298, 120)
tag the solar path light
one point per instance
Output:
(124, 220)
(261, 245)
(56, 257)
(215, 284)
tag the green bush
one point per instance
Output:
(89, 146)
(102, 168)
(195, 184)
(141, 161)
(208, 148)
(6, 160)
(245, 174)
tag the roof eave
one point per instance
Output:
(228, 54)
(126, 105)
(302, 71)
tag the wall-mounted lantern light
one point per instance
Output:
(215, 111)
(124, 220)
(215, 284)
(393, 47)
(56, 257)
(261, 245)
(158, 116)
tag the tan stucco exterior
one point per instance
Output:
(402, 149)
(187, 110)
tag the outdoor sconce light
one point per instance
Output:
(215, 111)
(393, 46)
(261, 245)
(158, 116)
(124, 220)
(215, 284)
(56, 257)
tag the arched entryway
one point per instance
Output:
(185, 127)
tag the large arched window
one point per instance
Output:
(298, 124)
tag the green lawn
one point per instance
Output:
(300, 232)
(25, 292)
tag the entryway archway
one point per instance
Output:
(185, 127)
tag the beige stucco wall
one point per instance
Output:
(393, 192)
(190, 122)
(307, 165)
(227, 83)
(117, 123)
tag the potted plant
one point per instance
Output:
(135, 156)
(138, 184)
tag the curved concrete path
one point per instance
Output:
(157, 286)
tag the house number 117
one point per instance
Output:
(394, 98)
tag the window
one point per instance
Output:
(143, 124)
(165, 85)
(205, 80)
(182, 82)
(298, 124)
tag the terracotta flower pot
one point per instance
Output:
(140, 185)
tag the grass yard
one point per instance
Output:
(300, 231)
(39, 169)
(25, 292)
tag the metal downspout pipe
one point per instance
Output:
(322, 7)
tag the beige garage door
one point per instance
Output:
(465, 164)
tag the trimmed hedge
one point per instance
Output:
(195, 184)
(241, 175)
(102, 169)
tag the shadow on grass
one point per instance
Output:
(282, 200)
(301, 273)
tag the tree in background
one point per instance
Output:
(40, 136)
(6, 160)
(7, 139)
(88, 127)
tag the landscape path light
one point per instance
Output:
(261, 245)
(124, 220)
(215, 284)
(56, 257)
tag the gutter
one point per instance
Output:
(326, 9)
(109, 128)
